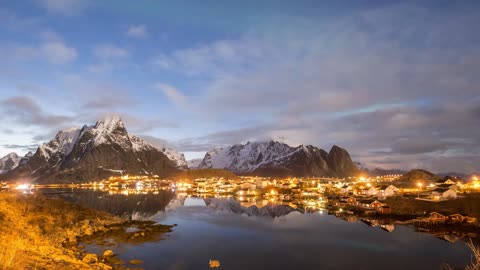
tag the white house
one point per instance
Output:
(387, 191)
(443, 194)
(372, 191)
(346, 189)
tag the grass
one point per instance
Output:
(35, 230)
(469, 205)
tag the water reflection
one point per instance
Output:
(269, 237)
(141, 205)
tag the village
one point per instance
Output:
(360, 195)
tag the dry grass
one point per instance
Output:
(34, 230)
(469, 205)
(475, 262)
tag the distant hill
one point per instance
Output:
(418, 175)
(204, 173)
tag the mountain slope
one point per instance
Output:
(92, 153)
(279, 159)
(9, 162)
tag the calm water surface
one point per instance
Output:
(292, 241)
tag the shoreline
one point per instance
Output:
(51, 234)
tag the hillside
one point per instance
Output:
(204, 173)
(415, 176)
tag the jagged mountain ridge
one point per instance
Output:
(12, 160)
(92, 153)
(274, 158)
(9, 162)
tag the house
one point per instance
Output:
(384, 209)
(372, 204)
(453, 187)
(246, 192)
(388, 227)
(457, 218)
(437, 217)
(248, 185)
(352, 201)
(342, 202)
(372, 191)
(387, 191)
(261, 183)
(345, 189)
(471, 220)
(445, 181)
(443, 194)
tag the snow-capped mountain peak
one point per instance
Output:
(278, 158)
(9, 162)
(97, 151)
(62, 144)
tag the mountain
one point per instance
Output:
(193, 163)
(204, 173)
(93, 152)
(413, 177)
(234, 206)
(9, 162)
(278, 159)
(175, 156)
(12, 160)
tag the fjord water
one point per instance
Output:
(293, 241)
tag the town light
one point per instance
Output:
(23, 187)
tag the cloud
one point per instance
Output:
(23, 148)
(54, 52)
(58, 52)
(370, 81)
(173, 94)
(25, 110)
(137, 31)
(64, 7)
(108, 51)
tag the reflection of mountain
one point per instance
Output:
(132, 205)
(230, 205)
(234, 206)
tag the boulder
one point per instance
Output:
(135, 262)
(90, 258)
(104, 266)
(108, 253)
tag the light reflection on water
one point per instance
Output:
(222, 230)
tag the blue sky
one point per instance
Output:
(395, 83)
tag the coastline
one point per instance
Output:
(51, 234)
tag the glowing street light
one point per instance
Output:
(419, 184)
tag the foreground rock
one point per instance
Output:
(47, 234)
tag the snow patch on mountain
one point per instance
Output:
(194, 163)
(176, 157)
(110, 130)
(247, 157)
(9, 162)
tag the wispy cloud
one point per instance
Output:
(137, 31)
(25, 110)
(173, 94)
(64, 7)
(109, 51)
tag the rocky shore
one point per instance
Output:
(42, 233)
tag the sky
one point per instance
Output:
(396, 83)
